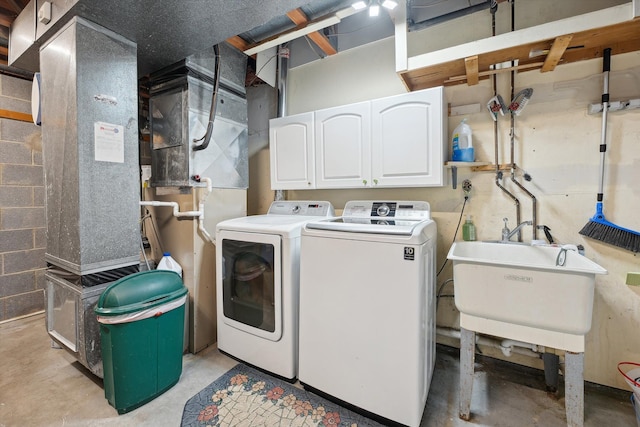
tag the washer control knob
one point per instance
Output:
(383, 210)
(296, 209)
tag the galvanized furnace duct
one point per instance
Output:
(202, 94)
(90, 157)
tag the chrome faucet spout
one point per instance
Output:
(508, 234)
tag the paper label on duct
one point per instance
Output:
(109, 142)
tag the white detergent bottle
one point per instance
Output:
(462, 143)
(168, 263)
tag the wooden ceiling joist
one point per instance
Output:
(299, 18)
(238, 42)
(16, 6)
(5, 21)
(323, 43)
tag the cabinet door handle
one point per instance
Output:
(375, 182)
(364, 182)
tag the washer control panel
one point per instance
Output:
(301, 208)
(415, 210)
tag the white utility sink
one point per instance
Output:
(518, 292)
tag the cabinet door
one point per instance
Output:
(342, 137)
(408, 139)
(291, 151)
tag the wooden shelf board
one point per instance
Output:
(621, 38)
(466, 164)
(492, 168)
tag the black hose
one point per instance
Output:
(214, 104)
(466, 198)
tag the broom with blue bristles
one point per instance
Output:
(598, 227)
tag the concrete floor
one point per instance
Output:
(42, 386)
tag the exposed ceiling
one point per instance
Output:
(9, 9)
(166, 31)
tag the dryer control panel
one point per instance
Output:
(301, 208)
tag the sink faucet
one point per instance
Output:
(508, 234)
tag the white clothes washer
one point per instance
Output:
(257, 285)
(367, 308)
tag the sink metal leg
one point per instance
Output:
(467, 361)
(574, 388)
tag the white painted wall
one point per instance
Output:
(556, 142)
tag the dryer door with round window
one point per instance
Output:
(249, 286)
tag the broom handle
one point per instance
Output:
(606, 67)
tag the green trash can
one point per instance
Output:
(141, 320)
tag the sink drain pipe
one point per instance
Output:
(199, 214)
(508, 347)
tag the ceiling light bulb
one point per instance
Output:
(374, 10)
(359, 5)
(389, 4)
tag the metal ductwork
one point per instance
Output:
(165, 31)
(90, 158)
(283, 71)
(90, 148)
(180, 109)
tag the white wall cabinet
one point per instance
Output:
(343, 146)
(389, 142)
(407, 140)
(291, 151)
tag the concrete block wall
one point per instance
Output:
(22, 218)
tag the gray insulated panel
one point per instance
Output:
(180, 107)
(90, 148)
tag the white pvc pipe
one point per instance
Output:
(175, 206)
(188, 214)
(201, 228)
(506, 346)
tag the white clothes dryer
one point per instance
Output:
(367, 308)
(257, 285)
